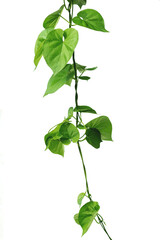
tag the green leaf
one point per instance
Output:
(65, 141)
(84, 78)
(80, 3)
(80, 126)
(93, 137)
(57, 51)
(76, 218)
(56, 147)
(70, 112)
(61, 78)
(80, 198)
(91, 69)
(54, 134)
(52, 19)
(80, 68)
(104, 126)
(84, 109)
(38, 50)
(69, 131)
(90, 18)
(87, 214)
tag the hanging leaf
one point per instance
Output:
(57, 51)
(104, 126)
(38, 50)
(70, 112)
(54, 134)
(90, 18)
(80, 198)
(52, 19)
(69, 131)
(56, 147)
(57, 81)
(76, 218)
(87, 214)
(80, 3)
(93, 137)
(84, 109)
(84, 78)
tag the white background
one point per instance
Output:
(40, 189)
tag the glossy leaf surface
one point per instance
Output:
(90, 18)
(93, 137)
(61, 78)
(80, 3)
(52, 19)
(59, 47)
(80, 198)
(69, 131)
(87, 214)
(104, 126)
(38, 50)
(84, 109)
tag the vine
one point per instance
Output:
(58, 47)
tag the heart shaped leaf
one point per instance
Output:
(57, 81)
(52, 19)
(93, 137)
(87, 214)
(80, 3)
(57, 51)
(90, 18)
(69, 131)
(104, 126)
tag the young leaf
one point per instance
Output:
(84, 78)
(90, 18)
(80, 3)
(84, 109)
(54, 134)
(52, 19)
(87, 214)
(56, 147)
(69, 131)
(93, 137)
(61, 78)
(57, 51)
(80, 68)
(91, 69)
(104, 126)
(76, 218)
(80, 198)
(70, 112)
(38, 50)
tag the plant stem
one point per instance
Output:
(101, 222)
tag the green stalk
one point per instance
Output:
(101, 222)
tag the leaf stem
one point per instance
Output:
(63, 18)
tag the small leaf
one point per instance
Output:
(84, 109)
(80, 68)
(93, 137)
(91, 69)
(80, 3)
(65, 141)
(70, 112)
(80, 198)
(69, 131)
(84, 78)
(52, 19)
(80, 126)
(76, 218)
(104, 126)
(58, 80)
(87, 214)
(57, 52)
(54, 134)
(38, 50)
(56, 147)
(90, 18)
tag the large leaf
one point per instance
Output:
(52, 19)
(39, 45)
(93, 137)
(87, 214)
(61, 78)
(69, 131)
(57, 51)
(104, 126)
(84, 109)
(90, 18)
(80, 198)
(80, 3)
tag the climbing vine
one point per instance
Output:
(57, 46)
